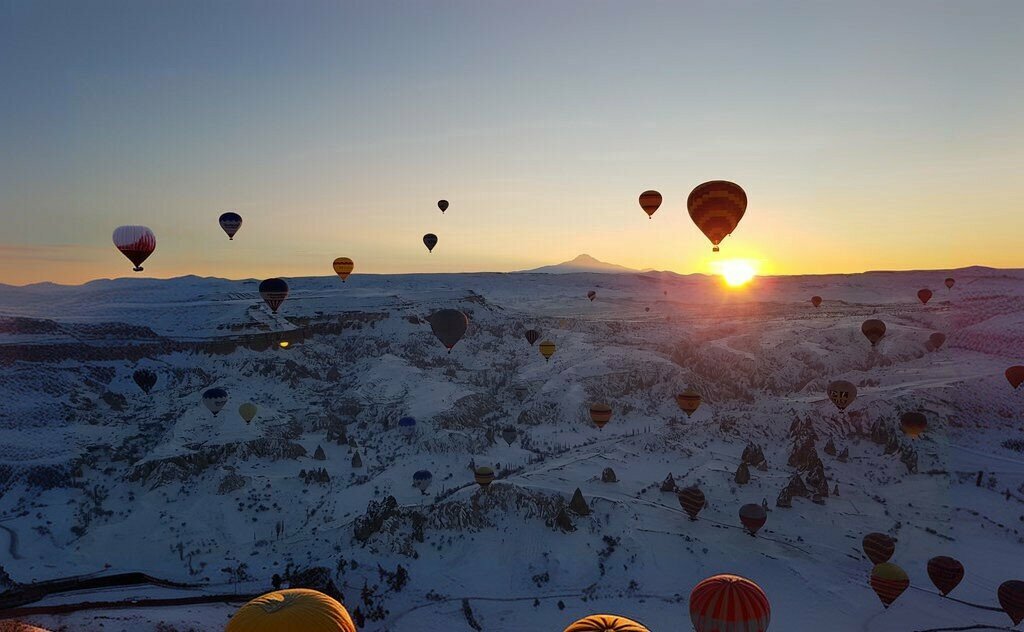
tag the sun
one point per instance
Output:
(736, 272)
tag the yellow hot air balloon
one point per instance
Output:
(292, 610)
(247, 411)
(688, 401)
(343, 267)
(547, 349)
(483, 476)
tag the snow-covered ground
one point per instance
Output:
(94, 472)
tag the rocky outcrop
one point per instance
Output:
(669, 484)
(742, 476)
(608, 476)
(578, 504)
(186, 466)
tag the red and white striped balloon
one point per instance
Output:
(729, 603)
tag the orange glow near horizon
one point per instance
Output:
(735, 272)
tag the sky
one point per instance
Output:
(867, 135)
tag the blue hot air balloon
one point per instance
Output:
(421, 480)
(407, 425)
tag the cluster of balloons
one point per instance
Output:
(716, 207)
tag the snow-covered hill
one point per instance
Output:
(94, 472)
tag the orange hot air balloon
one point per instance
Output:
(547, 349)
(605, 623)
(753, 517)
(692, 500)
(879, 547)
(949, 283)
(937, 339)
(1015, 375)
(292, 609)
(649, 202)
(816, 301)
(591, 295)
(945, 572)
(913, 424)
(716, 208)
(343, 267)
(842, 393)
(729, 603)
(600, 414)
(8, 625)
(688, 401)
(1011, 598)
(889, 581)
(873, 329)
(924, 294)
(483, 476)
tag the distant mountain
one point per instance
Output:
(582, 263)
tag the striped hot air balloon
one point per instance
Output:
(343, 267)
(9, 625)
(483, 476)
(273, 291)
(889, 581)
(716, 208)
(292, 609)
(600, 414)
(605, 623)
(649, 202)
(945, 572)
(879, 547)
(230, 223)
(753, 516)
(591, 295)
(136, 243)
(547, 349)
(692, 500)
(729, 603)
(873, 329)
(688, 401)
(532, 335)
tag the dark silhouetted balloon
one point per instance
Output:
(449, 326)
(842, 393)
(692, 500)
(937, 340)
(649, 202)
(1015, 375)
(532, 335)
(816, 301)
(913, 424)
(421, 480)
(945, 572)
(591, 295)
(888, 581)
(214, 399)
(509, 434)
(753, 517)
(430, 240)
(729, 603)
(443, 205)
(879, 547)
(230, 222)
(1011, 598)
(274, 291)
(145, 379)
(716, 208)
(924, 294)
(949, 282)
(136, 243)
(873, 329)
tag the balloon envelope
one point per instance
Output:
(937, 340)
(247, 411)
(842, 393)
(421, 480)
(605, 623)
(913, 424)
(443, 205)
(649, 202)
(729, 603)
(600, 414)
(1011, 598)
(273, 291)
(230, 222)
(136, 243)
(343, 267)
(873, 329)
(591, 295)
(509, 434)
(547, 349)
(888, 581)
(945, 572)
(753, 517)
(214, 399)
(145, 379)
(949, 282)
(292, 609)
(449, 326)
(816, 301)
(532, 335)
(716, 208)
(688, 401)
(924, 295)
(430, 240)
(1015, 375)
(483, 476)
(879, 547)
(692, 500)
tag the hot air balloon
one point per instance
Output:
(407, 426)
(274, 291)
(649, 202)
(716, 208)
(949, 283)
(547, 349)
(532, 335)
(729, 603)
(753, 517)
(230, 222)
(430, 240)
(913, 424)
(145, 379)
(889, 581)
(1011, 598)
(214, 399)
(600, 414)
(688, 401)
(9, 625)
(1015, 375)
(605, 623)
(449, 326)
(924, 294)
(816, 301)
(842, 393)
(647, 309)
(591, 295)
(443, 205)
(343, 267)
(292, 609)
(879, 547)
(692, 500)
(945, 572)
(509, 434)
(247, 411)
(873, 329)
(483, 476)
(136, 243)
(421, 480)
(937, 339)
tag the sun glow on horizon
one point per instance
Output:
(736, 272)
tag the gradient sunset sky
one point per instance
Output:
(867, 135)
